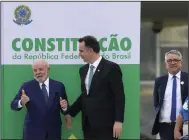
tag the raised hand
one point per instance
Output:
(24, 98)
(63, 103)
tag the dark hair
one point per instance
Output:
(91, 42)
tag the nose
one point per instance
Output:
(173, 62)
(37, 72)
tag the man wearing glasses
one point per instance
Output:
(170, 92)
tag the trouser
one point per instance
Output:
(166, 131)
(97, 133)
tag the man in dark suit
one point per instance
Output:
(170, 92)
(102, 99)
(44, 98)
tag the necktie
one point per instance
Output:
(90, 76)
(44, 90)
(173, 108)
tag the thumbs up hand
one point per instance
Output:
(24, 98)
(63, 103)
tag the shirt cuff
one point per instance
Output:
(19, 104)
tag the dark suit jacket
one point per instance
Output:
(105, 102)
(159, 92)
(41, 118)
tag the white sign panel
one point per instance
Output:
(50, 30)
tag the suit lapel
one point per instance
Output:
(163, 87)
(182, 81)
(40, 96)
(97, 74)
(51, 93)
(83, 76)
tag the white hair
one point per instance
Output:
(43, 61)
(173, 52)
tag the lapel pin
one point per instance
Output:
(182, 82)
(98, 70)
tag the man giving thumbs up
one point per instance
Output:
(24, 99)
(44, 99)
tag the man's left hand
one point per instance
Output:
(117, 129)
(68, 120)
(63, 103)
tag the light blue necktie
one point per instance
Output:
(173, 108)
(90, 76)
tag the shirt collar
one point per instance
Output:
(46, 83)
(96, 63)
(177, 75)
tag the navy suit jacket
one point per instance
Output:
(42, 119)
(159, 92)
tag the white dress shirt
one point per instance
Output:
(95, 64)
(165, 111)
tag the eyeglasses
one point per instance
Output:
(173, 60)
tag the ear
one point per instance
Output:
(165, 63)
(181, 62)
(91, 50)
